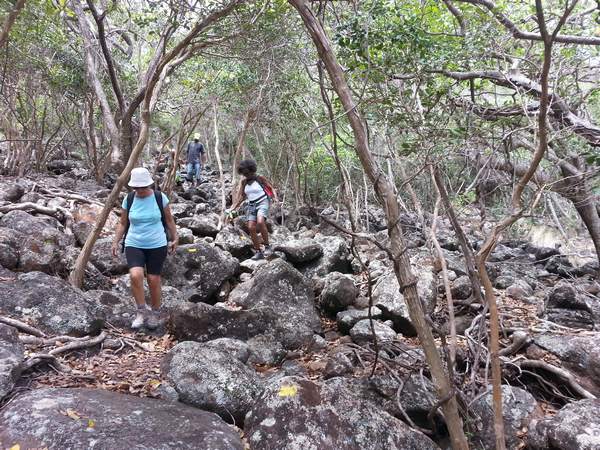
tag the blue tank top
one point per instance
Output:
(145, 226)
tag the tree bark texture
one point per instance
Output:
(386, 195)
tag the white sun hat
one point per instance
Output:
(140, 177)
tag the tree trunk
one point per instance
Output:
(386, 195)
(10, 21)
(465, 245)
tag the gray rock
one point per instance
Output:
(9, 244)
(300, 251)
(265, 350)
(574, 427)
(202, 225)
(338, 365)
(298, 414)
(38, 419)
(387, 296)
(277, 302)
(35, 242)
(361, 332)
(11, 192)
(251, 265)
(181, 210)
(564, 305)
(338, 293)
(461, 288)
(11, 357)
(347, 319)
(235, 241)
(104, 261)
(580, 354)
(286, 298)
(336, 257)
(118, 310)
(50, 304)
(211, 379)
(504, 281)
(81, 231)
(199, 270)
(185, 236)
(519, 290)
(236, 348)
(519, 409)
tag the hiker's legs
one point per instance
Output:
(253, 235)
(136, 275)
(262, 211)
(261, 224)
(155, 259)
(154, 285)
(197, 171)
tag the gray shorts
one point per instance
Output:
(253, 210)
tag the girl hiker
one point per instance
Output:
(259, 192)
(150, 233)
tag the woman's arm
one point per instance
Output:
(172, 244)
(119, 232)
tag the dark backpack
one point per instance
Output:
(159, 202)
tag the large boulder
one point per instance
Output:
(41, 243)
(11, 192)
(202, 322)
(519, 409)
(336, 257)
(300, 251)
(104, 261)
(9, 248)
(574, 427)
(580, 354)
(199, 270)
(202, 225)
(388, 298)
(286, 299)
(212, 379)
(361, 333)
(297, 414)
(278, 302)
(235, 241)
(50, 304)
(566, 306)
(11, 357)
(347, 319)
(338, 293)
(93, 418)
(43, 228)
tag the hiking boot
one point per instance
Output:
(138, 321)
(258, 256)
(153, 320)
(268, 251)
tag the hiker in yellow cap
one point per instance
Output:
(195, 159)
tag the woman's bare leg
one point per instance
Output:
(155, 290)
(253, 235)
(262, 227)
(136, 275)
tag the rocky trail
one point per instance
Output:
(280, 354)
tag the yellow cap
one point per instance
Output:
(197, 136)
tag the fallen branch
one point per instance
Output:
(36, 358)
(563, 374)
(32, 340)
(519, 340)
(22, 326)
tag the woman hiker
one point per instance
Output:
(150, 233)
(259, 192)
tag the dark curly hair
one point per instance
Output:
(247, 166)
